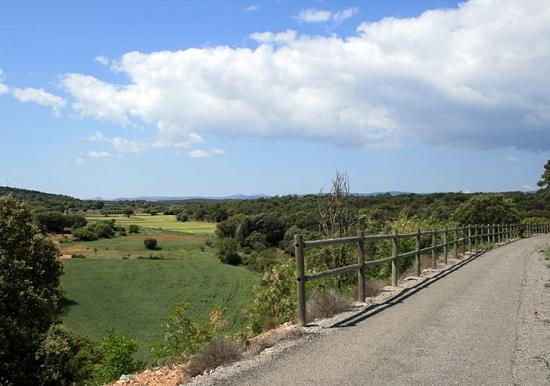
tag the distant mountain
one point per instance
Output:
(187, 198)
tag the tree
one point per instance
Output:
(51, 221)
(544, 182)
(29, 292)
(128, 212)
(487, 209)
(336, 217)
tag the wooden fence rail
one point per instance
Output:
(464, 238)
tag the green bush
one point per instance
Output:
(184, 336)
(227, 251)
(183, 217)
(84, 234)
(151, 244)
(65, 358)
(275, 299)
(117, 358)
(75, 221)
(133, 228)
(104, 229)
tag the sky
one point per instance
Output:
(213, 98)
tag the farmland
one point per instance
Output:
(120, 285)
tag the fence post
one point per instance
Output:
(445, 248)
(361, 269)
(469, 237)
(463, 240)
(417, 255)
(393, 262)
(475, 237)
(434, 240)
(300, 279)
(456, 243)
(493, 230)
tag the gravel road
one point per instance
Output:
(486, 323)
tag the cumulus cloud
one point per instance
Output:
(472, 76)
(80, 161)
(39, 96)
(511, 158)
(313, 15)
(251, 8)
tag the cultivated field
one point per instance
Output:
(123, 286)
(165, 222)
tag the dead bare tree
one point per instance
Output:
(336, 218)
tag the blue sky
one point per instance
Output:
(128, 98)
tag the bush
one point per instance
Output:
(117, 358)
(325, 305)
(65, 358)
(84, 234)
(184, 336)
(183, 217)
(228, 251)
(122, 231)
(51, 221)
(151, 244)
(104, 229)
(133, 228)
(275, 300)
(75, 221)
(219, 351)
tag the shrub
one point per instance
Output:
(227, 251)
(275, 299)
(183, 217)
(325, 305)
(151, 244)
(104, 229)
(65, 358)
(133, 228)
(122, 231)
(117, 358)
(51, 221)
(183, 336)
(84, 234)
(75, 221)
(219, 351)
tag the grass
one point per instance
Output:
(133, 297)
(165, 222)
(123, 286)
(174, 245)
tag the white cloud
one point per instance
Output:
(472, 76)
(39, 96)
(102, 59)
(3, 88)
(313, 15)
(343, 15)
(269, 37)
(80, 161)
(199, 153)
(252, 8)
(99, 154)
(529, 188)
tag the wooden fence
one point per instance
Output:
(466, 238)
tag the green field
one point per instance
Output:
(123, 286)
(134, 296)
(165, 222)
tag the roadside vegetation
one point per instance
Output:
(160, 282)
